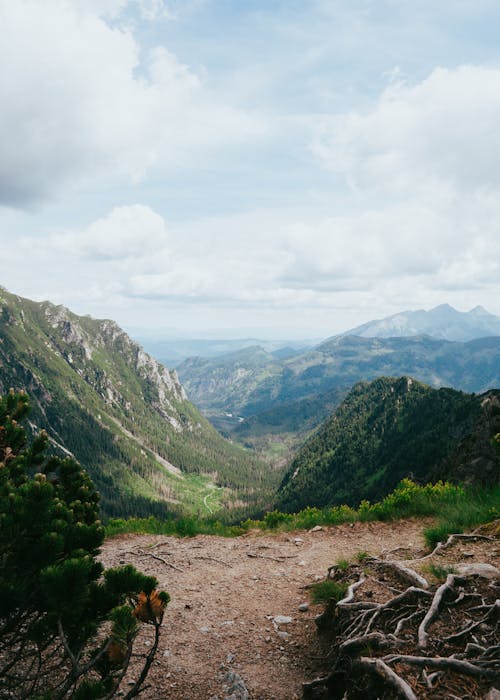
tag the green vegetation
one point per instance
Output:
(477, 506)
(328, 590)
(407, 500)
(121, 414)
(342, 564)
(67, 626)
(439, 572)
(362, 556)
(385, 431)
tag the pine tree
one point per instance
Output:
(67, 627)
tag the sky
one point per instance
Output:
(224, 168)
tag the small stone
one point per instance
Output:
(282, 620)
(227, 623)
(304, 607)
(301, 563)
(316, 528)
(131, 682)
(204, 629)
(267, 639)
(467, 555)
(283, 635)
(166, 653)
(147, 643)
(229, 658)
(298, 541)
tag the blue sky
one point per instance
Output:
(229, 167)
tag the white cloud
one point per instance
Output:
(126, 232)
(77, 102)
(439, 135)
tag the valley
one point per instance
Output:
(284, 400)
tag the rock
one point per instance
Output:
(316, 528)
(283, 635)
(298, 541)
(304, 607)
(204, 629)
(237, 689)
(492, 694)
(301, 563)
(282, 620)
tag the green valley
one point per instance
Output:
(122, 414)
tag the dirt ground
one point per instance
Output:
(222, 632)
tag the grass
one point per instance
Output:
(342, 564)
(456, 508)
(439, 572)
(476, 507)
(362, 556)
(325, 591)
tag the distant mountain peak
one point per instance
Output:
(442, 322)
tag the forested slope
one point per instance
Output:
(390, 429)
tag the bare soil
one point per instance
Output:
(220, 635)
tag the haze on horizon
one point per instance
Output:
(211, 166)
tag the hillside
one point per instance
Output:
(442, 322)
(270, 394)
(123, 415)
(390, 429)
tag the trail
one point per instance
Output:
(225, 595)
(211, 492)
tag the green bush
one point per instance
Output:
(327, 590)
(67, 627)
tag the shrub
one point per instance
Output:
(67, 627)
(327, 590)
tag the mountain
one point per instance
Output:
(122, 414)
(173, 352)
(390, 429)
(443, 322)
(249, 394)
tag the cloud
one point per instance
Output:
(438, 135)
(126, 232)
(80, 100)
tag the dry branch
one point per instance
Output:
(158, 558)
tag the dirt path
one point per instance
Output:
(226, 594)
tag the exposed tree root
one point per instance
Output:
(439, 642)
(390, 679)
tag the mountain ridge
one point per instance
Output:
(122, 414)
(443, 322)
(389, 429)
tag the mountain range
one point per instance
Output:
(256, 397)
(121, 413)
(443, 322)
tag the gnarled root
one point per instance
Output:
(420, 643)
